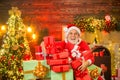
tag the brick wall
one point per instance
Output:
(52, 14)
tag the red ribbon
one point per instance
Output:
(61, 68)
(49, 44)
(80, 74)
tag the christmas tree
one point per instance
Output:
(14, 47)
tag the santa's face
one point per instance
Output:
(73, 36)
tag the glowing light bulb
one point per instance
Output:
(29, 29)
(3, 28)
(33, 36)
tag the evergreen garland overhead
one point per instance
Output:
(92, 23)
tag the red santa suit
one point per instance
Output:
(80, 50)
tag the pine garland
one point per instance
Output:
(90, 24)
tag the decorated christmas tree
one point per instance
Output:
(14, 47)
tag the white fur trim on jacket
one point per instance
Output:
(75, 52)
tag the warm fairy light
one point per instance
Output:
(29, 29)
(33, 36)
(3, 27)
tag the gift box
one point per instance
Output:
(94, 71)
(58, 45)
(38, 53)
(38, 49)
(44, 62)
(76, 63)
(62, 75)
(29, 67)
(60, 68)
(86, 77)
(57, 62)
(49, 45)
(61, 55)
(80, 74)
(39, 56)
(26, 57)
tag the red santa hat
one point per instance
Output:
(71, 27)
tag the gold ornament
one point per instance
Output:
(5, 45)
(15, 47)
(40, 70)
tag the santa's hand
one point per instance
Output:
(43, 47)
(83, 66)
(69, 59)
(74, 54)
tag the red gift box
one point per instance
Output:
(76, 63)
(49, 45)
(87, 77)
(59, 46)
(26, 57)
(80, 74)
(61, 55)
(57, 62)
(39, 56)
(38, 49)
(60, 68)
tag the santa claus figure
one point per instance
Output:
(79, 50)
(80, 56)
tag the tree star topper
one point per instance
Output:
(15, 12)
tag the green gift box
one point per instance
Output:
(29, 66)
(43, 62)
(62, 75)
(94, 71)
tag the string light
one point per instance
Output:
(3, 28)
(29, 29)
(33, 36)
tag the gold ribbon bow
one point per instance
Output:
(94, 73)
(40, 70)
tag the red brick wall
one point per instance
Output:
(52, 14)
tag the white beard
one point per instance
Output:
(73, 41)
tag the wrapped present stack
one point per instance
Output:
(60, 68)
(58, 61)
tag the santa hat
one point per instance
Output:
(71, 27)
